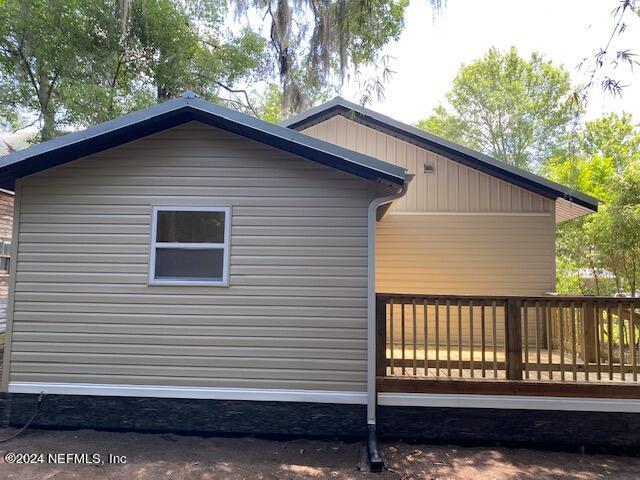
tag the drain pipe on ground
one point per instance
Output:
(376, 462)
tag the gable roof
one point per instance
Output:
(185, 108)
(471, 158)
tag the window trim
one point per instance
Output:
(226, 246)
(5, 256)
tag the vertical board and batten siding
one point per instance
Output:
(452, 187)
(294, 315)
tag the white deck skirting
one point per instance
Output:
(320, 396)
(255, 394)
(518, 402)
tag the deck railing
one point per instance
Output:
(509, 344)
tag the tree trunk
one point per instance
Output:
(595, 278)
(165, 93)
(48, 129)
(48, 126)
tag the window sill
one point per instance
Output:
(186, 283)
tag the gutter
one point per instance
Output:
(376, 462)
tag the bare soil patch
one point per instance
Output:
(177, 457)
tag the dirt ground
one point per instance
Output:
(175, 457)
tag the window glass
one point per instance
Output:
(190, 227)
(189, 263)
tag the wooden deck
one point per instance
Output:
(452, 364)
(555, 346)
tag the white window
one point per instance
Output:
(5, 248)
(190, 246)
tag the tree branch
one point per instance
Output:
(28, 125)
(236, 91)
(621, 10)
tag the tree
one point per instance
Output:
(613, 136)
(79, 62)
(624, 233)
(315, 42)
(601, 67)
(177, 47)
(270, 105)
(514, 109)
(602, 159)
(44, 50)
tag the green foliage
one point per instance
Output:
(371, 25)
(46, 47)
(314, 41)
(568, 279)
(514, 109)
(72, 62)
(269, 103)
(79, 62)
(600, 253)
(612, 136)
(270, 106)
(441, 123)
(587, 174)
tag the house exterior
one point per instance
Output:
(188, 267)
(6, 224)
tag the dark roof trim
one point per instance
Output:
(464, 155)
(181, 110)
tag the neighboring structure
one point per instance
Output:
(5, 147)
(6, 224)
(189, 267)
(13, 141)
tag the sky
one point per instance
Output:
(430, 51)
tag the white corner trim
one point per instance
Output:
(255, 394)
(510, 402)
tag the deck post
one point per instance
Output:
(381, 336)
(590, 333)
(513, 338)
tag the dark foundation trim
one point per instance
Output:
(191, 415)
(613, 432)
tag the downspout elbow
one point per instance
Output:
(378, 202)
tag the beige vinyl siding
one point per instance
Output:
(466, 255)
(452, 187)
(294, 315)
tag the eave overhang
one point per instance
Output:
(181, 110)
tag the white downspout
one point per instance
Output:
(371, 299)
